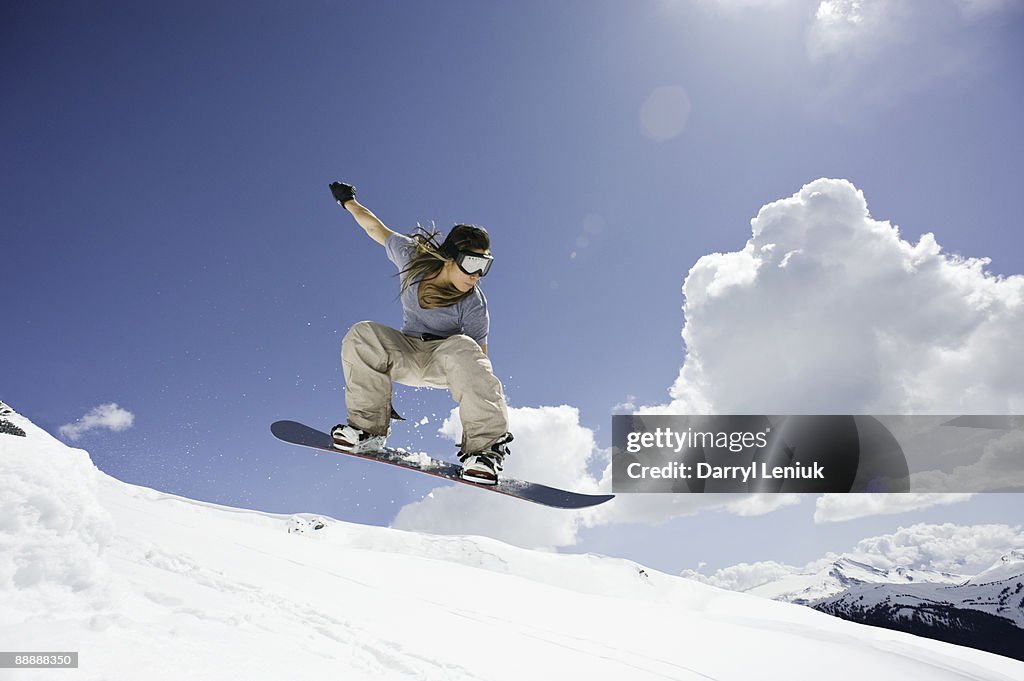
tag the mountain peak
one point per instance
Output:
(1009, 565)
(6, 427)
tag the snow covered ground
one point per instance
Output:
(145, 583)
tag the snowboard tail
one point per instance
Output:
(300, 434)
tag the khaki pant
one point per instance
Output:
(374, 355)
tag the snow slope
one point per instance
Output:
(1008, 566)
(145, 583)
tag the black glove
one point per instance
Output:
(342, 192)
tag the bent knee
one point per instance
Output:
(359, 330)
(464, 355)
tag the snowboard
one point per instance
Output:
(299, 434)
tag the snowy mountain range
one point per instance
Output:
(140, 582)
(805, 588)
(985, 611)
(987, 616)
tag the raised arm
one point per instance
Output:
(345, 195)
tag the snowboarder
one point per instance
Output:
(442, 343)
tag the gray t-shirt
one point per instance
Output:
(468, 316)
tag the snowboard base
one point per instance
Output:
(300, 434)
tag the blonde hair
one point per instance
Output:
(430, 257)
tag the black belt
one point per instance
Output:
(430, 337)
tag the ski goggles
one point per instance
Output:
(474, 263)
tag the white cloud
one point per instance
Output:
(627, 407)
(997, 468)
(827, 310)
(744, 576)
(659, 508)
(957, 549)
(550, 447)
(946, 547)
(855, 27)
(109, 416)
(760, 504)
(831, 508)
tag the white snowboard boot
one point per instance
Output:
(351, 439)
(482, 467)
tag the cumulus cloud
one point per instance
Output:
(946, 547)
(997, 468)
(957, 549)
(831, 508)
(745, 576)
(550, 447)
(760, 504)
(659, 508)
(108, 416)
(626, 407)
(827, 310)
(856, 27)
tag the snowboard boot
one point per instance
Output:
(482, 467)
(351, 439)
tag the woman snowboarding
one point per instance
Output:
(442, 343)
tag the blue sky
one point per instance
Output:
(170, 245)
